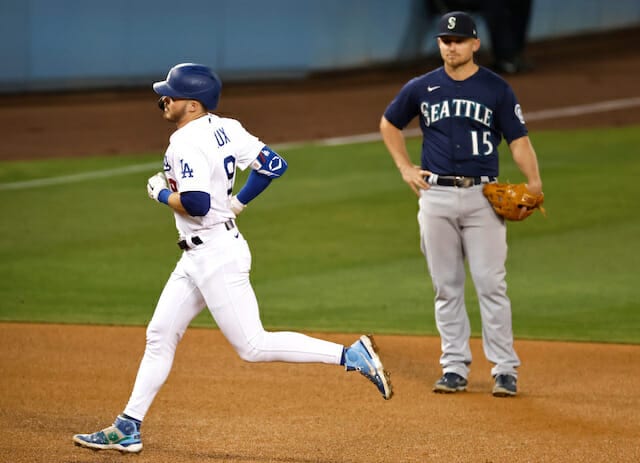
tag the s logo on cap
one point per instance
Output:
(452, 23)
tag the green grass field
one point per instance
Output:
(334, 243)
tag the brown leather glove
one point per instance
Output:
(513, 201)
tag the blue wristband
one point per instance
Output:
(163, 196)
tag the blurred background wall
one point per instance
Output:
(78, 44)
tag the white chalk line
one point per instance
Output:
(40, 182)
(545, 114)
(579, 110)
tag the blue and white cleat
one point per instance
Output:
(123, 435)
(363, 357)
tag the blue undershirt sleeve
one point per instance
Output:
(256, 184)
(196, 203)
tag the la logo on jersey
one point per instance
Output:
(185, 170)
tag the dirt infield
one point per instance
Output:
(578, 402)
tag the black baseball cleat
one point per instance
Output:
(450, 382)
(505, 386)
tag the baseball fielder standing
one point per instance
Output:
(464, 111)
(199, 173)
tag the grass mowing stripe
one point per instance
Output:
(335, 244)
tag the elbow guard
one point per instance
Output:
(269, 163)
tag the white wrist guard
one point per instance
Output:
(236, 206)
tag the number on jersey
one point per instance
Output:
(230, 169)
(486, 143)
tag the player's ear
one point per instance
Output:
(195, 105)
(476, 45)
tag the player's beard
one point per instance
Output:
(174, 113)
(457, 61)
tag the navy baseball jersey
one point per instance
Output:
(463, 122)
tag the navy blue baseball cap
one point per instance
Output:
(457, 24)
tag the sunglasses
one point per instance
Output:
(163, 99)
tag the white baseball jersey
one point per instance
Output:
(203, 156)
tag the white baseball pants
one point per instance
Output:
(215, 274)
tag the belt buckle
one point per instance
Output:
(463, 182)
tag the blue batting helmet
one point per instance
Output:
(191, 81)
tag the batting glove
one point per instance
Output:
(236, 206)
(156, 184)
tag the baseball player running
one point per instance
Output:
(197, 183)
(464, 111)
